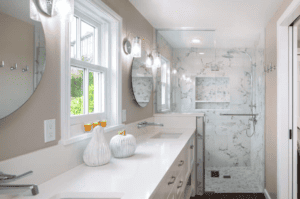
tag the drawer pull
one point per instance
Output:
(171, 182)
(181, 163)
(180, 184)
(192, 146)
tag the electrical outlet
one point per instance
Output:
(49, 130)
(123, 115)
(215, 174)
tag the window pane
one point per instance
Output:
(95, 92)
(87, 42)
(77, 91)
(92, 96)
(73, 37)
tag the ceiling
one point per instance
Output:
(184, 39)
(16, 8)
(238, 23)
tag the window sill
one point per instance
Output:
(89, 135)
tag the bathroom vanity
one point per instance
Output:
(160, 168)
(174, 183)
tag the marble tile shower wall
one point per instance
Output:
(223, 85)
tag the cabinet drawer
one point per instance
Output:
(180, 184)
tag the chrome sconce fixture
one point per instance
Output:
(137, 47)
(127, 47)
(2, 64)
(50, 8)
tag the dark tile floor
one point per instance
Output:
(231, 196)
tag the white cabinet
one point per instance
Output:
(173, 184)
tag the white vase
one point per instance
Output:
(123, 146)
(97, 152)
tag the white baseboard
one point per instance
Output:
(267, 194)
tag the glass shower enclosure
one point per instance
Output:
(227, 84)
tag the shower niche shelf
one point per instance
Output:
(212, 93)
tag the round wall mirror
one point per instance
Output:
(142, 80)
(22, 55)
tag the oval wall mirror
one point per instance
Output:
(22, 55)
(142, 80)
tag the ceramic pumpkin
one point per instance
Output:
(123, 146)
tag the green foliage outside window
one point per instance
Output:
(77, 93)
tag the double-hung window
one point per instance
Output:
(88, 71)
(91, 79)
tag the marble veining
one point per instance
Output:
(223, 85)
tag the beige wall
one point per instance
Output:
(271, 103)
(134, 24)
(23, 131)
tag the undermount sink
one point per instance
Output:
(81, 195)
(162, 135)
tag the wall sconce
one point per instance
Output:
(50, 8)
(2, 64)
(127, 47)
(149, 61)
(157, 59)
(137, 47)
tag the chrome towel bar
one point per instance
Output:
(230, 114)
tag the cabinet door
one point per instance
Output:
(173, 194)
(180, 186)
(192, 152)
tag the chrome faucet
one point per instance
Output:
(144, 124)
(5, 178)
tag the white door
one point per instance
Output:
(293, 108)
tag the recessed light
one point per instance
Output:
(196, 41)
(201, 53)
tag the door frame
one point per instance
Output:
(285, 60)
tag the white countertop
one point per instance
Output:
(135, 177)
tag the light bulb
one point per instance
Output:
(183, 77)
(148, 62)
(65, 9)
(157, 61)
(174, 71)
(196, 41)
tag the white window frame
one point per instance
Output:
(111, 35)
(165, 107)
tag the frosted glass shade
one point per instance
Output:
(62, 8)
(137, 47)
(34, 14)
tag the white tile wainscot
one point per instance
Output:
(135, 177)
